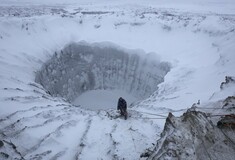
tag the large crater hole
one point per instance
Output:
(96, 75)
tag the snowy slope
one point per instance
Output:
(198, 40)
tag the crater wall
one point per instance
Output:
(80, 67)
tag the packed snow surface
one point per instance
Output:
(196, 37)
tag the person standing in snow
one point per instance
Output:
(122, 106)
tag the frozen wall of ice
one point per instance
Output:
(80, 67)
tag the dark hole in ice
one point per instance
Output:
(96, 75)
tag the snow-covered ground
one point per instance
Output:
(197, 38)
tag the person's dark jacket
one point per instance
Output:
(122, 104)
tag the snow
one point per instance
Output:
(196, 37)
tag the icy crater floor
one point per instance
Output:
(102, 99)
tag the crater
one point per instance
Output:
(95, 75)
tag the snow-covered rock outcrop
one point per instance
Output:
(195, 135)
(80, 67)
(228, 82)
